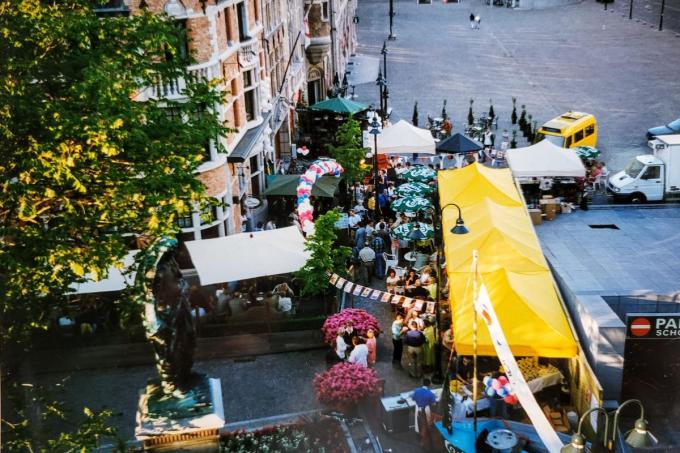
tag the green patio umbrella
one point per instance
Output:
(587, 152)
(411, 204)
(339, 105)
(413, 189)
(419, 173)
(404, 230)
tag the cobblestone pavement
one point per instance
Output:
(574, 57)
(256, 387)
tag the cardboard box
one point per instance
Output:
(536, 216)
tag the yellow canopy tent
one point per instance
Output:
(511, 265)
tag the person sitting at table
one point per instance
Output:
(417, 290)
(464, 369)
(431, 288)
(400, 287)
(425, 274)
(391, 280)
(283, 290)
(411, 278)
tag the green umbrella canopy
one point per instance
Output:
(411, 204)
(413, 189)
(286, 185)
(419, 173)
(587, 152)
(339, 105)
(404, 230)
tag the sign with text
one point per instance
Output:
(651, 326)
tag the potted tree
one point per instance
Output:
(471, 117)
(513, 117)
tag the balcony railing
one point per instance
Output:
(175, 87)
(248, 54)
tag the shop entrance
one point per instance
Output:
(652, 362)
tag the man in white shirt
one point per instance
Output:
(359, 354)
(353, 219)
(367, 258)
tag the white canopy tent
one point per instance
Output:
(404, 138)
(248, 255)
(545, 159)
(117, 279)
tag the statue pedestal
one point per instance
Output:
(192, 420)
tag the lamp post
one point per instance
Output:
(381, 82)
(578, 441)
(460, 228)
(638, 437)
(383, 52)
(375, 131)
(386, 96)
(630, 11)
(391, 37)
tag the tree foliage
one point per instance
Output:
(83, 163)
(326, 256)
(348, 150)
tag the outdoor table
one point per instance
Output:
(411, 256)
(538, 384)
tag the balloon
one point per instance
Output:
(487, 381)
(503, 380)
(490, 392)
(304, 188)
(502, 392)
(511, 399)
(495, 384)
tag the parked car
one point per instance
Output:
(670, 128)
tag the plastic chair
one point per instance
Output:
(391, 261)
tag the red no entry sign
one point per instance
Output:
(640, 327)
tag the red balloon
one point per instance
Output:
(511, 399)
(503, 380)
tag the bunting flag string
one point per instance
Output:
(382, 296)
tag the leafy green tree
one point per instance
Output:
(348, 150)
(83, 162)
(326, 256)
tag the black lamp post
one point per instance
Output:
(386, 96)
(391, 37)
(381, 82)
(383, 52)
(375, 131)
(460, 228)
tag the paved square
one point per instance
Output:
(575, 57)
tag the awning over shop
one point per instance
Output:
(286, 185)
(248, 255)
(545, 159)
(510, 262)
(245, 146)
(404, 138)
(339, 105)
(117, 279)
(458, 144)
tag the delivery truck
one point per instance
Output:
(650, 177)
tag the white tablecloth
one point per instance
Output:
(538, 384)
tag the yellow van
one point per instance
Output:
(570, 129)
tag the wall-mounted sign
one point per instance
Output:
(653, 326)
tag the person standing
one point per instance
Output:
(428, 347)
(359, 354)
(478, 20)
(340, 346)
(414, 346)
(425, 399)
(367, 258)
(378, 246)
(397, 343)
(472, 21)
(372, 345)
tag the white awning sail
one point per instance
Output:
(248, 255)
(404, 138)
(545, 159)
(117, 279)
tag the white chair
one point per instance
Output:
(400, 271)
(391, 261)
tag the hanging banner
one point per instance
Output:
(382, 296)
(545, 431)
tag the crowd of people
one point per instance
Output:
(352, 348)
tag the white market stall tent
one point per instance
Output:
(117, 280)
(545, 159)
(404, 138)
(248, 255)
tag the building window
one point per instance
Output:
(207, 155)
(249, 94)
(242, 18)
(324, 11)
(185, 221)
(209, 215)
(255, 176)
(183, 46)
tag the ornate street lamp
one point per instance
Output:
(391, 37)
(375, 131)
(381, 83)
(460, 228)
(638, 437)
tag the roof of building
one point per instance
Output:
(639, 256)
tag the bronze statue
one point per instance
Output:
(167, 316)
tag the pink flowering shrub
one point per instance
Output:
(361, 320)
(345, 383)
